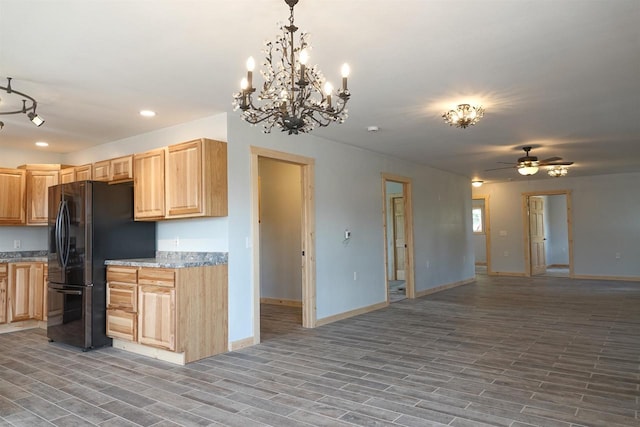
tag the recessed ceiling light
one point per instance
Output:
(373, 128)
(42, 144)
(147, 113)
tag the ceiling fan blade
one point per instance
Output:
(505, 167)
(506, 163)
(557, 164)
(551, 159)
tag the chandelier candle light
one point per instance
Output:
(294, 96)
(29, 105)
(463, 116)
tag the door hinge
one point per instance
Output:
(302, 253)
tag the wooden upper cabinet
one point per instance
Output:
(82, 173)
(149, 185)
(121, 169)
(12, 196)
(76, 173)
(114, 170)
(38, 183)
(101, 171)
(67, 175)
(196, 179)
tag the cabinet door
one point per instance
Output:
(148, 187)
(3, 293)
(122, 169)
(157, 316)
(21, 292)
(67, 175)
(101, 171)
(45, 291)
(39, 292)
(12, 195)
(38, 183)
(184, 179)
(83, 173)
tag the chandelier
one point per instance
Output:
(558, 171)
(463, 116)
(29, 105)
(294, 96)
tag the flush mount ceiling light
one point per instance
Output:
(147, 113)
(29, 105)
(463, 116)
(477, 183)
(294, 97)
(42, 144)
(558, 171)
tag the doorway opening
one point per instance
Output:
(548, 234)
(481, 234)
(283, 246)
(398, 237)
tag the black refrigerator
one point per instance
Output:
(89, 222)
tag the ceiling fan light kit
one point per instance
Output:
(29, 105)
(463, 116)
(294, 96)
(477, 183)
(558, 171)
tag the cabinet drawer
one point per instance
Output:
(122, 274)
(122, 296)
(122, 324)
(3, 268)
(157, 276)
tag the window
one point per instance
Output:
(478, 220)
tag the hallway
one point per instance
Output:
(502, 352)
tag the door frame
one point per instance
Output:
(526, 226)
(487, 230)
(408, 232)
(308, 260)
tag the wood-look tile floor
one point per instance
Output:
(500, 352)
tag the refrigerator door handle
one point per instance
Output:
(66, 292)
(64, 235)
(58, 233)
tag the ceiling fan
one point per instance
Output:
(529, 165)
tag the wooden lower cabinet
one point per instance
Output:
(26, 291)
(182, 310)
(3, 293)
(157, 316)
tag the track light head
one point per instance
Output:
(35, 119)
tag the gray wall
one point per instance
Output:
(280, 230)
(605, 223)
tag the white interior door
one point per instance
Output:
(537, 235)
(399, 237)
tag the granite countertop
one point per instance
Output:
(174, 260)
(23, 256)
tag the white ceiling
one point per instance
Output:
(562, 76)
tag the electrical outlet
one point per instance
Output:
(506, 253)
(618, 255)
(355, 275)
(16, 244)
